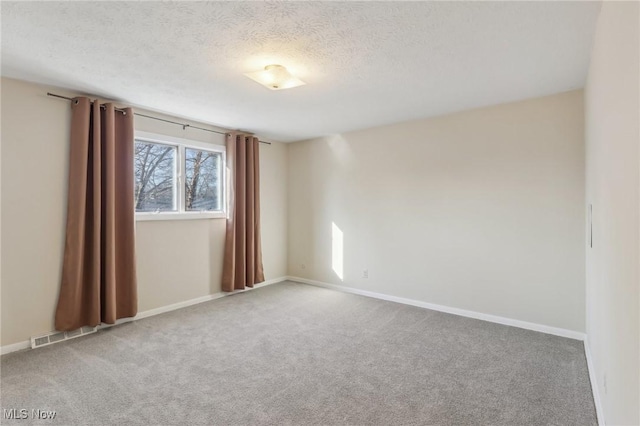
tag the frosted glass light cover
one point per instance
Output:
(275, 77)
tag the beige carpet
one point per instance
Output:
(292, 354)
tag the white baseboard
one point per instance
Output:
(15, 347)
(594, 383)
(571, 334)
(151, 312)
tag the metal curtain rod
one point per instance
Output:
(184, 125)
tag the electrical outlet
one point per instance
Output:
(303, 266)
(365, 273)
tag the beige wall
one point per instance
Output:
(177, 260)
(481, 210)
(613, 188)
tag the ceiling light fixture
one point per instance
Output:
(275, 77)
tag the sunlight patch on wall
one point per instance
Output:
(337, 250)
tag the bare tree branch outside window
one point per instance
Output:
(202, 180)
(156, 178)
(155, 170)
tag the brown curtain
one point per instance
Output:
(243, 253)
(98, 271)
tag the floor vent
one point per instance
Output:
(59, 336)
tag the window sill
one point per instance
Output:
(143, 217)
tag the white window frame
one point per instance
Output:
(181, 213)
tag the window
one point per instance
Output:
(156, 172)
(202, 184)
(177, 178)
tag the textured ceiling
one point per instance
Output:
(365, 63)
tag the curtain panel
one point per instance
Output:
(99, 268)
(243, 253)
